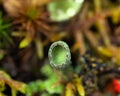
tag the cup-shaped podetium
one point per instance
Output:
(59, 55)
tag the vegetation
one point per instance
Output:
(60, 48)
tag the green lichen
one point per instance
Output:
(61, 10)
(59, 54)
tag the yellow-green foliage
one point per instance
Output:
(14, 85)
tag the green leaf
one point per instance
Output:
(52, 79)
(62, 10)
(49, 85)
(45, 94)
(47, 70)
(25, 42)
(4, 75)
(4, 33)
(36, 86)
(7, 37)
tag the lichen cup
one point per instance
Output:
(59, 55)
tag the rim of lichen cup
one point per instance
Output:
(59, 55)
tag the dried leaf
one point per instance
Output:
(39, 48)
(115, 15)
(69, 91)
(12, 7)
(103, 29)
(19, 86)
(40, 2)
(15, 85)
(1, 1)
(55, 37)
(2, 54)
(97, 4)
(105, 51)
(79, 86)
(15, 7)
(4, 75)
(116, 54)
(2, 85)
(118, 57)
(1, 94)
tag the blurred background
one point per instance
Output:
(91, 28)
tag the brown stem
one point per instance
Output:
(91, 38)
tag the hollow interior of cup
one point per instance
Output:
(59, 54)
